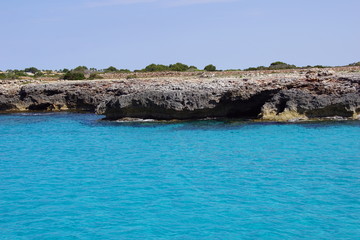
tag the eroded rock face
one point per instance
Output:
(55, 96)
(279, 97)
(302, 104)
(183, 105)
(298, 97)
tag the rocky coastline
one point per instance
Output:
(274, 96)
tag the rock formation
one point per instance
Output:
(287, 96)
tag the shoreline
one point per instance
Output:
(221, 119)
(299, 95)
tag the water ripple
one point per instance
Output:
(71, 176)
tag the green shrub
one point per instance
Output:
(355, 64)
(17, 73)
(319, 66)
(3, 76)
(74, 76)
(156, 68)
(179, 67)
(256, 68)
(111, 69)
(94, 76)
(316, 66)
(192, 69)
(38, 74)
(210, 68)
(273, 66)
(9, 75)
(114, 69)
(124, 71)
(280, 65)
(33, 70)
(80, 69)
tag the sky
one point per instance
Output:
(231, 34)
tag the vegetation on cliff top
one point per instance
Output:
(112, 69)
(177, 67)
(273, 66)
(355, 64)
(74, 76)
(83, 72)
(210, 68)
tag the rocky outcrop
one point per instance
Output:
(311, 94)
(277, 97)
(299, 104)
(324, 97)
(55, 96)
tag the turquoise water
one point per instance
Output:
(69, 176)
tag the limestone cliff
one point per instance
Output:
(277, 97)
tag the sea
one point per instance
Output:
(74, 176)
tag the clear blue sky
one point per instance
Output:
(53, 34)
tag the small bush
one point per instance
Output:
(65, 70)
(33, 70)
(355, 64)
(192, 69)
(124, 71)
(80, 69)
(3, 76)
(280, 65)
(94, 76)
(210, 68)
(10, 76)
(273, 66)
(156, 68)
(38, 74)
(178, 67)
(74, 76)
(319, 66)
(16, 73)
(256, 68)
(111, 69)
